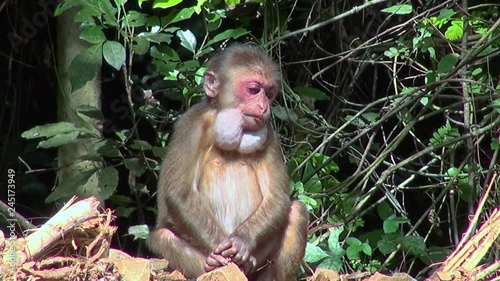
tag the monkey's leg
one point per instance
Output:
(287, 255)
(180, 255)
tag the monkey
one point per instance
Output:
(223, 186)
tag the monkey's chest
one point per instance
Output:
(233, 190)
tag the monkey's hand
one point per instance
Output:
(214, 261)
(232, 249)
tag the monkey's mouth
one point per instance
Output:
(253, 121)
(257, 118)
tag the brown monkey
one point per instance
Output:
(223, 187)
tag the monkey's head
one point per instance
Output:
(245, 80)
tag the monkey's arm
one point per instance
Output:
(270, 217)
(267, 221)
(180, 205)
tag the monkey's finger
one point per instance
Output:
(217, 260)
(229, 252)
(250, 265)
(241, 257)
(238, 259)
(209, 268)
(223, 247)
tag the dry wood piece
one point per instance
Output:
(68, 217)
(322, 274)
(461, 264)
(70, 245)
(230, 272)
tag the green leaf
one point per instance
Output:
(365, 247)
(446, 14)
(114, 53)
(108, 181)
(390, 226)
(230, 33)
(188, 40)
(159, 151)
(311, 92)
(176, 16)
(139, 231)
(125, 212)
(93, 34)
(135, 165)
(164, 53)
(140, 45)
(413, 244)
(90, 112)
(109, 12)
(488, 50)
(371, 116)
(199, 76)
(477, 71)
(455, 31)
(495, 144)
(164, 4)
(283, 113)
(453, 171)
(199, 4)
(332, 263)
(401, 220)
(86, 16)
(334, 243)
(314, 253)
(447, 63)
(188, 66)
(156, 37)
(353, 252)
(140, 145)
(214, 20)
(310, 203)
(68, 186)
(424, 101)
(135, 19)
(85, 66)
(400, 9)
(232, 3)
(496, 105)
(444, 133)
(62, 139)
(384, 210)
(106, 147)
(49, 130)
(387, 247)
(392, 52)
(353, 241)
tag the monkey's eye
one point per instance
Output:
(255, 89)
(270, 94)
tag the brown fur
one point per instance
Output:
(207, 195)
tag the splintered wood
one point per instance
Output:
(67, 244)
(462, 263)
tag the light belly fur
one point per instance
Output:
(233, 191)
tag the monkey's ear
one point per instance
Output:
(211, 85)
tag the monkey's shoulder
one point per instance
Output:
(194, 123)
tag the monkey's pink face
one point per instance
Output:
(255, 95)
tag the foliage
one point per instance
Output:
(382, 125)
